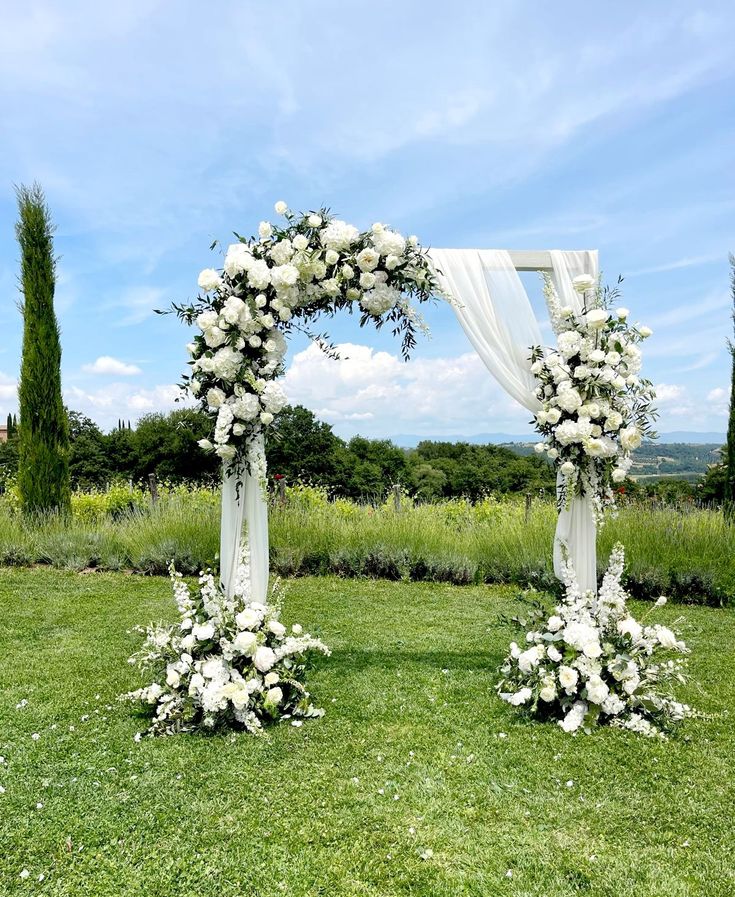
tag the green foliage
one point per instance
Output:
(43, 462)
(166, 444)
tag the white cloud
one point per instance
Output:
(666, 393)
(106, 364)
(106, 404)
(387, 396)
(8, 389)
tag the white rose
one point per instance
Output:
(264, 658)
(530, 658)
(584, 282)
(660, 601)
(215, 397)
(367, 280)
(618, 475)
(173, 679)
(203, 632)
(548, 693)
(265, 230)
(281, 207)
(567, 468)
(266, 418)
(597, 690)
(245, 643)
(645, 332)
(367, 259)
(630, 438)
(205, 444)
(614, 420)
(520, 697)
(300, 242)
(552, 453)
(297, 629)
(314, 220)
(209, 280)
(555, 623)
(331, 257)
(596, 319)
(666, 637)
(247, 618)
(277, 628)
(597, 356)
(569, 400)
(553, 654)
(274, 695)
(392, 262)
(539, 448)
(568, 678)
(553, 415)
(622, 313)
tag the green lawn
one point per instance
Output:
(418, 781)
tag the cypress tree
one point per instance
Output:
(729, 503)
(9, 425)
(43, 448)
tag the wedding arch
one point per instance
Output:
(586, 398)
(230, 660)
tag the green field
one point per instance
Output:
(418, 781)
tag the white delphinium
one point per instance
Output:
(590, 661)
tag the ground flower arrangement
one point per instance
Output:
(590, 662)
(228, 663)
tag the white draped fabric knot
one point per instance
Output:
(496, 314)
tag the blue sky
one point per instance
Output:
(157, 127)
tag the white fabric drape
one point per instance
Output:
(495, 312)
(244, 501)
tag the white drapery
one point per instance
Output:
(244, 501)
(496, 314)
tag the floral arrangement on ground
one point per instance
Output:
(595, 407)
(588, 661)
(228, 662)
(279, 281)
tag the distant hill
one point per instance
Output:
(679, 436)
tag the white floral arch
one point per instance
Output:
(314, 264)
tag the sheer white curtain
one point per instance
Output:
(244, 502)
(496, 314)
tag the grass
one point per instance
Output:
(406, 787)
(689, 556)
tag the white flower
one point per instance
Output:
(553, 654)
(277, 628)
(660, 601)
(205, 444)
(259, 274)
(203, 632)
(271, 679)
(539, 448)
(300, 242)
(215, 397)
(209, 280)
(367, 280)
(316, 221)
(597, 690)
(265, 230)
(284, 275)
(380, 300)
(247, 618)
(331, 257)
(567, 468)
(367, 259)
(614, 420)
(388, 243)
(238, 259)
(630, 438)
(245, 643)
(337, 235)
(548, 693)
(569, 343)
(584, 282)
(264, 658)
(530, 658)
(622, 313)
(574, 719)
(281, 207)
(297, 629)
(273, 397)
(569, 400)
(630, 627)
(555, 623)
(666, 637)
(226, 363)
(596, 319)
(246, 407)
(645, 332)
(274, 695)
(597, 356)
(173, 679)
(553, 415)
(520, 697)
